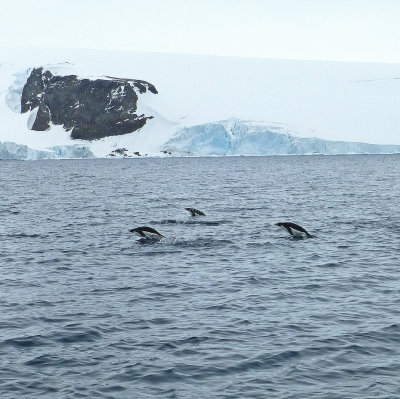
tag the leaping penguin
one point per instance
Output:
(294, 229)
(147, 232)
(195, 212)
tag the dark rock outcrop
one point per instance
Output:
(92, 109)
(119, 151)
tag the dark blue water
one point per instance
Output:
(226, 306)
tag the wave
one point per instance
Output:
(190, 222)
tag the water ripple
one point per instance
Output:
(227, 305)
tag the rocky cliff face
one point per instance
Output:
(92, 109)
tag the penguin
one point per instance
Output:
(195, 212)
(147, 233)
(294, 229)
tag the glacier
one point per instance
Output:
(247, 138)
(21, 152)
(213, 106)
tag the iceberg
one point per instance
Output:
(236, 137)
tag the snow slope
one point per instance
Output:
(332, 101)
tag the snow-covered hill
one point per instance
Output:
(297, 102)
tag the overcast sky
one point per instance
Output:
(342, 30)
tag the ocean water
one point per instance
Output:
(227, 305)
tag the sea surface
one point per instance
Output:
(225, 306)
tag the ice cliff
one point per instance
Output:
(12, 151)
(235, 137)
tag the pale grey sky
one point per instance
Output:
(342, 30)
